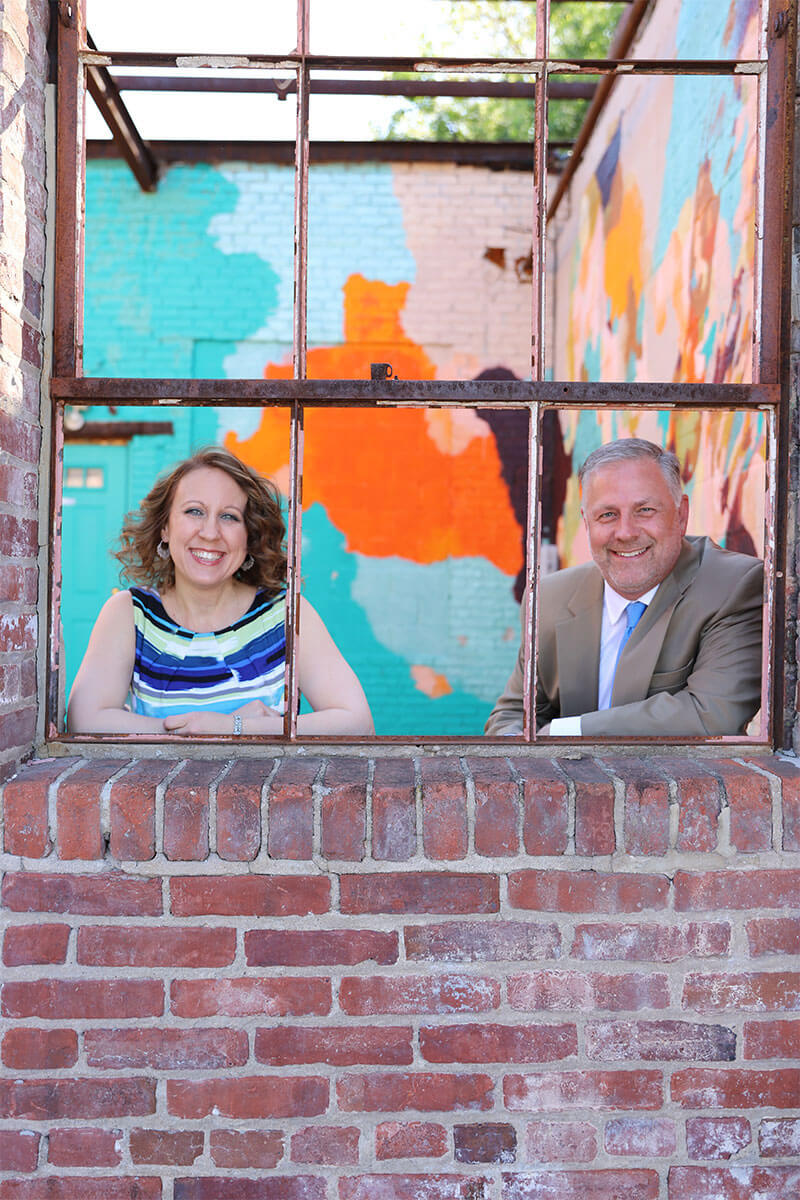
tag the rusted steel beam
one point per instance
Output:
(773, 300)
(615, 64)
(620, 45)
(513, 156)
(67, 336)
(357, 393)
(558, 89)
(103, 89)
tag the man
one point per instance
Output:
(661, 635)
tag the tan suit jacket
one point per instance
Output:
(691, 668)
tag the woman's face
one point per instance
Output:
(206, 530)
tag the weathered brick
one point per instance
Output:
(385, 1046)
(19, 536)
(659, 1041)
(774, 935)
(545, 818)
(496, 807)
(419, 1091)
(19, 585)
(166, 1147)
(76, 1099)
(586, 891)
(40, 1049)
(750, 803)
(699, 803)
(578, 991)
(254, 1097)
(420, 892)
(19, 1150)
(613, 942)
(17, 729)
(25, 807)
(551, 1091)
(90, 999)
(344, 809)
(733, 1183)
(717, 1137)
(186, 811)
(110, 894)
(482, 941)
(594, 807)
(409, 1139)
(748, 991)
(560, 1141)
(84, 1187)
(34, 945)
(772, 1039)
(166, 1049)
(132, 808)
(78, 808)
(82, 1147)
(239, 809)
(283, 997)
(713, 1087)
(274, 1187)
(720, 890)
(413, 1187)
(472, 1043)
(18, 631)
(249, 895)
(779, 1137)
(646, 825)
(789, 775)
(394, 810)
(444, 808)
(485, 1143)
(291, 809)
(641, 1137)
(331, 1146)
(323, 947)
(251, 1149)
(635, 1184)
(363, 996)
(149, 946)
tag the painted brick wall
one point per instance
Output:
(23, 69)
(329, 979)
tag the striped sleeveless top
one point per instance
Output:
(177, 670)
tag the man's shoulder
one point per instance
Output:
(712, 561)
(570, 580)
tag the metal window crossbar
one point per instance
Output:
(772, 72)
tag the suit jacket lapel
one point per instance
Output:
(578, 648)
(640, 654)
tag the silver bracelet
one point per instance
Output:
(237, 724)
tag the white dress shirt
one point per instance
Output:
(612, 631)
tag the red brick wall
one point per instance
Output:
(23, 71)
(445, 978)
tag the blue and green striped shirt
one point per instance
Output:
(177, 670)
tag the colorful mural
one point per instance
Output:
(412, 520)
(655, 250)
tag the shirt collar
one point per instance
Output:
(615, 604)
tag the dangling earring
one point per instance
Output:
(162, 550)
(248, 563)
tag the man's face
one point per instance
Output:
(634, 525)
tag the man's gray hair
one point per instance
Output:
(625, 449)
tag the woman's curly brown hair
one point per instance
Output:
(266, 529)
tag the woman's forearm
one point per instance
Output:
(112, 720)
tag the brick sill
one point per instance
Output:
(445, 809)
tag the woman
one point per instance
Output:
(200, 649)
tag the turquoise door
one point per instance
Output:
(95, 503)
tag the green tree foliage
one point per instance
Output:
(505, 28)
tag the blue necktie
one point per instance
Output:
(635, 611)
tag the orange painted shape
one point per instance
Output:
(395, 482)
(431, 682)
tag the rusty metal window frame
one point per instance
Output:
(79, 62)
